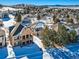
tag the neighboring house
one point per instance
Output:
(56, 26)
(48, 19)
(50, 26)
(2, 38)
(26, 21)
(75, 21)
(39, 26)
(33, 19)
(1, 23)
(5, 17)
(0, 14)
(20, 34)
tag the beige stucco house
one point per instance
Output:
(2, 38)
(20, 34)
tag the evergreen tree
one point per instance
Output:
(73, 36)
(60, 37)
(18, 17)
(38, 17)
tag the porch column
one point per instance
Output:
(21, 40)
(25, 39)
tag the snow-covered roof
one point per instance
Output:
(9, 8)
(10, 22)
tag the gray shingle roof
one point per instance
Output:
(18, 30)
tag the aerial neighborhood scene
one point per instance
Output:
(39, 29)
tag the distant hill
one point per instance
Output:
(44, 6)
(65, 5)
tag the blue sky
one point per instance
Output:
(40, 2)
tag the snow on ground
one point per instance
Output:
(24, 58)
(37, 41)
(10, 51)
(10, 22)
(67, 50)
(7, 24)
(9, 8)
(11, 16)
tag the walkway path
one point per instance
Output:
(37, 41)
(11, 53)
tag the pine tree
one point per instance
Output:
(18, 18)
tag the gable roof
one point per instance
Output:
(11, 28)
(27, 31)
(20, 27)
(26, 22)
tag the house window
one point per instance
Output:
(0, 44)
(23, 43)
(27, 36)
(24, 37)
(30, 36)
(18, 37)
